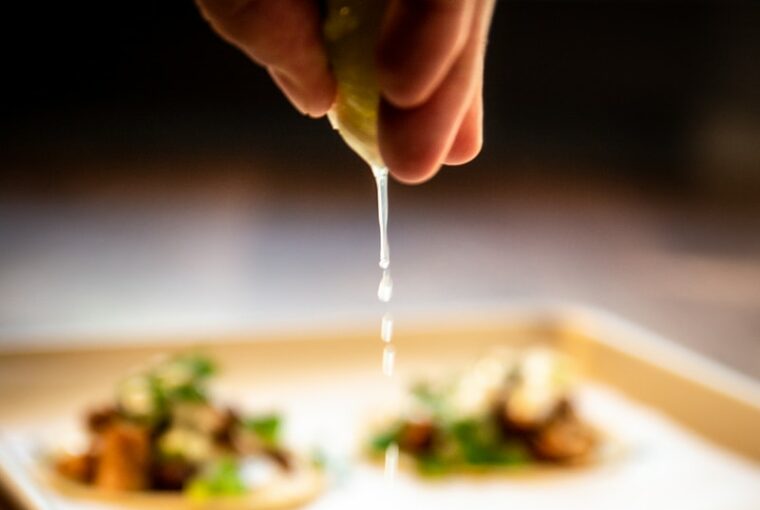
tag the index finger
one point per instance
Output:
(285, 36)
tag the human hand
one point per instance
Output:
(430, 70)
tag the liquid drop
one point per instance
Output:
(386, 328)
(389, 360)
(391, 461)
(385, 288)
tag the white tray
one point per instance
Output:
(691, 429)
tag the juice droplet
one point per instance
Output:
(386, 328)
(385, 289)
(389, 360)
(391, 461)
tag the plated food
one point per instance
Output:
(511, 409)
(649, 443)
(163, 435)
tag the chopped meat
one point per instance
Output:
(124, 457)
(101, 418)
(79, 468)
(172, 474)
(564, 439)
(246, 442)
(416, 436)
(224, 435)
(281, 457)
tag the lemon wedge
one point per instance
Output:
(351, 30)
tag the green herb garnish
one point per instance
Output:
(150, 395)
(267, 428)
(380, 442)
(220, 479)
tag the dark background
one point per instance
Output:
(152, 178)
(654, 93)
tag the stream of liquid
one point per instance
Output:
(384, 294)
(385, 289)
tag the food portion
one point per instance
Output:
(514, 408)
(163, 433)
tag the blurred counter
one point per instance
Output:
(241, 250)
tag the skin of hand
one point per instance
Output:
(430, 68)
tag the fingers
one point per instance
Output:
(285, 37)
(430, 60)
(415, 142)
(419, 42)
(469, 138)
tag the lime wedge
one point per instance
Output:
(351, 29)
